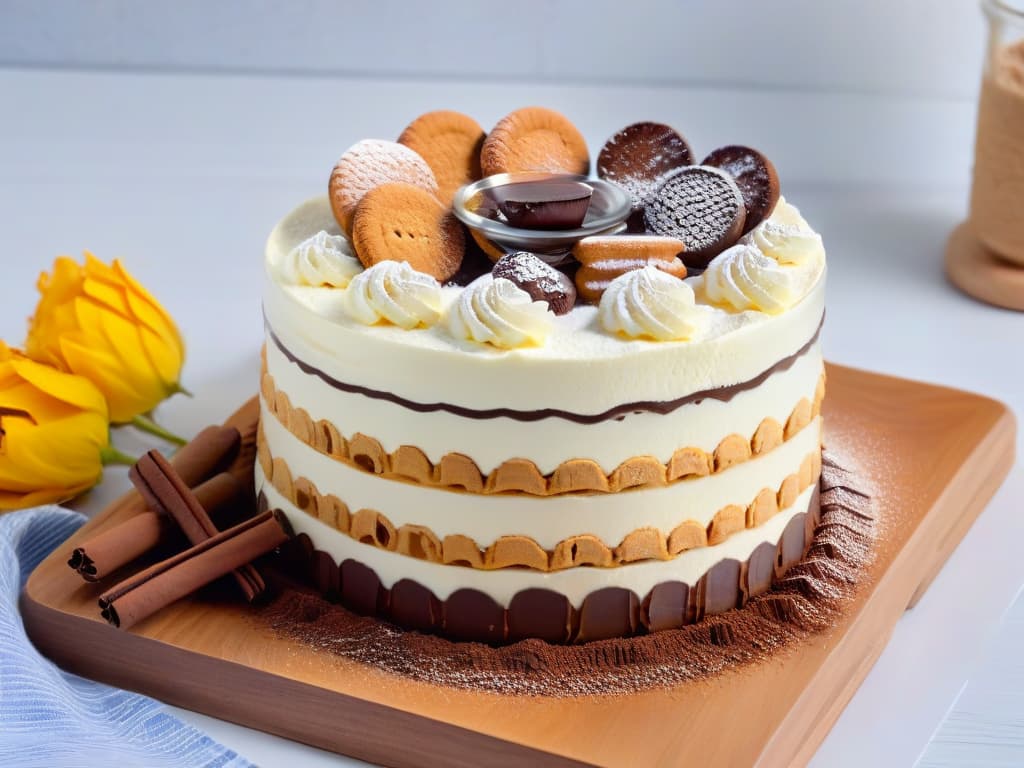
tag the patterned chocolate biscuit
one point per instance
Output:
(368, 164)
(450, 143)
(605, 257)
(638, 156)
(400, 222)
(754, 175)
(539, 279)
(534, 139)
(701, 206)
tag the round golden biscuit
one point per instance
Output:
(401, 222)
(534, 139)
(450, 143)
(368, 164)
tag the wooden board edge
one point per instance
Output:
(818, 708)
(330, 720)
(999, 438)
(979, 488)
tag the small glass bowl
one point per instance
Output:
(610, 206)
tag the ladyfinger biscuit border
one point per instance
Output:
(369, 526)
(458, 472)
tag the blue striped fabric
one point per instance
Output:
(51, 718)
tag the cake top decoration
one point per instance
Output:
(559, 238)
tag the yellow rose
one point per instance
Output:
(53, 433)
(98, 322)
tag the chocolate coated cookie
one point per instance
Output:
(754, 175)
(542, 281)
(637, 157)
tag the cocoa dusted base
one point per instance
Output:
(612, 612)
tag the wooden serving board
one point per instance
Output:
(933, 455)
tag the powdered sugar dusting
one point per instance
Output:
(638, 157)
(372, 162)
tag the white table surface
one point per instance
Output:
(183, 176)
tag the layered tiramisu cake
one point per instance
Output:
(503, 400)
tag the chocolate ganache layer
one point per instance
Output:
(723, 394)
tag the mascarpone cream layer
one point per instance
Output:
(547, 520)
(502, 585)
(550, 442)
(580, 368)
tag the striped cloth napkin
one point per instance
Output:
(51, 718)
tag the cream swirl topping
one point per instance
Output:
(321, 260)
(649, 303)
(770, 269)
(394, 292)
(498, 312)
(786, 237)
(742, 277)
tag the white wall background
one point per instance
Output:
(915, 48)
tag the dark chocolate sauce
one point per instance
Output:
(546, 204)
(662, 407)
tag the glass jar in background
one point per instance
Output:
(997, 192)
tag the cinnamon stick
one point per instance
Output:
(166, 582)
(211, 451)
(170, 493)
(119, 545)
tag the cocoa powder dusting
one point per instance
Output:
(808, 599)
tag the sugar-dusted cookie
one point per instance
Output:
(534, 139)
(401, 222)
(605, 257)
(368, 164)
(638, 156)
(754, 175)
(701, 206)
(450, 142)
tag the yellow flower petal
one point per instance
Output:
(72, 390)
(126, 397)
(149, 310)
(55, 453)
(99, 322)
(11, 501)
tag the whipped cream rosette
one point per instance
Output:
(496, 311)
(394, 292)
(320, 260)
(650, 303)
(771, 269)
